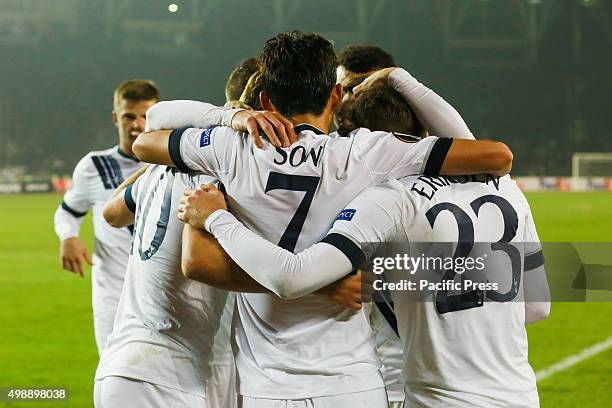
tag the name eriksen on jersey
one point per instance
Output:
(298, 155)
(428, 186)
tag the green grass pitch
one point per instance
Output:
(46, 334)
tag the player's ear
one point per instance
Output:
(266, 103)
(115, 118)
(335, 98)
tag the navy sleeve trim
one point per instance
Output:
(72, 211)
(533, 261)
(437, 155)
(174, 148)
(348, 248)
(129, 200)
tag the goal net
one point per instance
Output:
(592, 165)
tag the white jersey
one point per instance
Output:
(165, 323)
(94, 180)
(389, 349)
(456, 354)
(307, 347)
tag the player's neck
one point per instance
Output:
(321, 122)
(125, 149)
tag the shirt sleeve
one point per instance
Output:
(206, 150)
(437, 115)
(534, 258)
(183, 113)
(286, 274)
(391, 155)
(535, 282)
(130, 194)
(76, 202)
(373, 217)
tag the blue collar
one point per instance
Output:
(127, 156)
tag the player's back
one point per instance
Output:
(470, 349)
(165, 323)
(291, 196)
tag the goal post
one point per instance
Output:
(592, 164)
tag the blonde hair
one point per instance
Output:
(135, 90)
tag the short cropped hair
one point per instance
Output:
(298, 71)
(239, 78)
(383, 108)
(135, 90)
(362, 58)
(250, 95)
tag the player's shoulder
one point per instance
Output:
(510, 186)
(388, 196)
(365, 134)
(111, 151)
(92, 158)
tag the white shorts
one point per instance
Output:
(221, 387)
(367, 399)
(119, 392)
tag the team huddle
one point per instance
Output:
(229, 242)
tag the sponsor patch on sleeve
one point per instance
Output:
(346, 215)
(205, 137)
(406, 138)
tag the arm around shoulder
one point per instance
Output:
(152, 147)
(477, 156)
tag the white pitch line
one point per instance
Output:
(575, 359)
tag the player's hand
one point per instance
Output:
(237, 105)
(375, 77)
(74, 255)
(350, 291)
(197, 205)
(276, 127)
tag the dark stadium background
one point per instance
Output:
(535, 73)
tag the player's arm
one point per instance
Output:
(280, 271)
(535, 283)
(183, 148)
(204, 260)
(69, 216)
(436, 114)
(286, 274)
(476, 157)
(394, 156)
(184, 113)
(120, 207)
(537, 295)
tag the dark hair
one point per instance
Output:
(298, 71)
(135, 90)
(362, 58)
(239, 78)
(250, 95)
(383, 108)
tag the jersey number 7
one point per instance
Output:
(308, 184)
